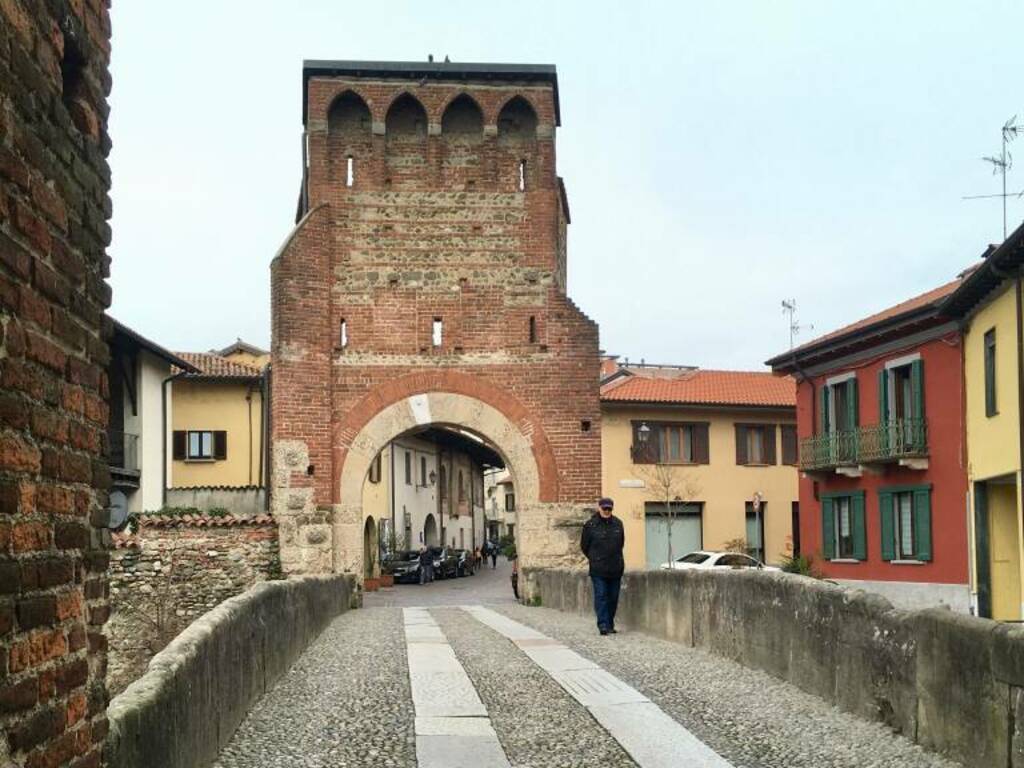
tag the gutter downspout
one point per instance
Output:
(814, 428)
(163, 432)
(263, 422)
(265, 467)
(248, 402)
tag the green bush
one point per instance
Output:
(803, 565)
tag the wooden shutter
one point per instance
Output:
(883, 396)
(789, 447)
(646, 452)
(823, 427)
(178, 444)
(828, 529)
(917, 388)
(887, 513)
(923, 524)
(741, 444)
(852, 409)
(699, 440)
(769, 444)
(860, 548)
(220, 445)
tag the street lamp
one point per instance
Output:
(644, 432)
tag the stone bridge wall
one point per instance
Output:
(952, 683)
(198, 689)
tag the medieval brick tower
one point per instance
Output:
(425, 283)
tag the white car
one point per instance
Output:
(703, 559)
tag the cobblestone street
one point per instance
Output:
(499, 673)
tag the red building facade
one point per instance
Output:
(880, 419)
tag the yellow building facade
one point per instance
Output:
(217, 425)
(989, 308)
(712, 461)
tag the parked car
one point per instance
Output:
(404, 565)
(446, 562)
(705, 559)
(465, 566)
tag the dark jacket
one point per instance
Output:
(426, 558)
(602, 542)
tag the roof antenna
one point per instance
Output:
(789, 308)
(1002, 164)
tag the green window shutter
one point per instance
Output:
(923, 524)
(220, 445)
(178, 445)
(883, 396)
(860, 544)
(823, 426)
(851, 403)
(741, 444)
(888, 518)
(828, 530)
(917, 387)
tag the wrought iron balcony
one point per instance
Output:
(124, 450)
(883, 443)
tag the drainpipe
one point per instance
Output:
(267, 385)
(248, 402)
(163, 432)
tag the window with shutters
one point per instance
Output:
(905, 513)
(671, 443)
(423, 471)
(443, 482)
(901, 408)
(200, 445)
(991, 408)
(510, 502)
(789, 444)
(408, 468)
(844, 534)
(755, 444)
(839, 407)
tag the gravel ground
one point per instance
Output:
(538, 724)
(750, 718)
(345, 704)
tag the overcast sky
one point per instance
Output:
(719, 157)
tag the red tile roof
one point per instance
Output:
(213, 365)
(704, 387)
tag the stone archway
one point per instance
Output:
(546, 531)
(430, 531)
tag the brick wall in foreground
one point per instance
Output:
(54, 206)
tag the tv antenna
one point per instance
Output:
(1003, 163)
(789, 308)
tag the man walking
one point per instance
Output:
(426, 566)
(493, 550)
(602, 542)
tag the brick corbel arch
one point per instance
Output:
(424, 383)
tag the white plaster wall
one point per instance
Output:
(416, 499)
(915, 596)
(152, 372)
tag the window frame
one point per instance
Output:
(189, 455)
(829, 520)
(657, 448)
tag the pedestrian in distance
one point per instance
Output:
(602, 542)
(426, 566)
(493, 549)
(478, 559)
(515, 576)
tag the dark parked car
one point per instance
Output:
(403, 565)
(465, 565)
(446, 563)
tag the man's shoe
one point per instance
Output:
(614, 631)
(603, 631)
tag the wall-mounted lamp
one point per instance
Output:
(432, 477)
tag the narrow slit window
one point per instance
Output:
(350, 171)
(522, 175)
(344, 333)
(533, 329)
(437, 335)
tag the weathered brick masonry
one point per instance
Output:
(430, 196)
(54, 206)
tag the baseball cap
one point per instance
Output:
(606, 503)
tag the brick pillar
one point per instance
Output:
(54, 182)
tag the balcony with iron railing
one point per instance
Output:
(890, 442)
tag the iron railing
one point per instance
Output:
(879, 443)
(124, 450)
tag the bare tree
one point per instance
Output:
(672, 486)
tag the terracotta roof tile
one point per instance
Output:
(704, 387)
(211, 364)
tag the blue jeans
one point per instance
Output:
(606, 599)
(426, 573)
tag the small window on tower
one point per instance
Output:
(350, 172)
(522, 175)
(533, 329)
(438, 333)
(344, 333)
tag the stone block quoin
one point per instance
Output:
(54, 207)
(430, 255)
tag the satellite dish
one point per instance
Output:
(118, 511)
